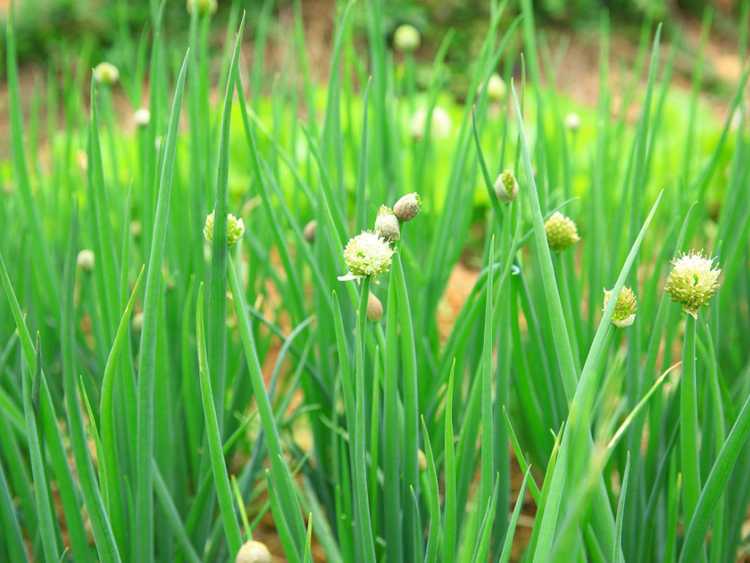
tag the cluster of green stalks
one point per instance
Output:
(162, 389)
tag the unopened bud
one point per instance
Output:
(407, 38)
(374, 308)
(235, 228)
(407, 207)
(561, 232)
(309, 232)
(496, 88)
(106, 74)
(253, 552)
(386, 224)
(625, 308)
(506, 186)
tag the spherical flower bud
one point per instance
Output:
(625, 307)
(572, 122)
(203, 7)
(106, 74)
(692, 281)
(561, 232)
(235, 228)
(440, 127)
(496, 88)
(374, 308)
(309, 231)
(407, 207)
(386, 224)
(253, 552)
(506, 186)
(142, 117)
(421, 460)
(366, 254)
(86, 260)
(407, 38)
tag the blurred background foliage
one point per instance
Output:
(50, 28)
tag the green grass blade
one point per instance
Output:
(144, 507)
(218, 467)
(510, 534)
(716, 483)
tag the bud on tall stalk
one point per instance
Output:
(561, 232)
(366, 255)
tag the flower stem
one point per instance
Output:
(359, 466)
(689, 423)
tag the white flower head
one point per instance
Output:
(693, 281)
(366, 254)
